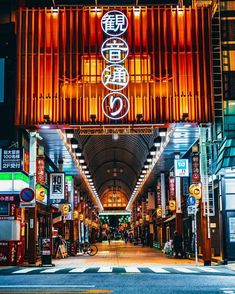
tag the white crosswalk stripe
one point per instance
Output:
(185, 270)
(158, 270)
(51, 270)
(25, 270)
(105, 269)
(78, 270)
(208, 269)
(132, 269)
(125, 269)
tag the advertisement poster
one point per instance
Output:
(57, 188)
(232, 229)
(11, 159)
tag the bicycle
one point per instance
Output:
(88, 248)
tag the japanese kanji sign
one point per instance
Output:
(11, 159)
(115, 77)
(114, 23)
(40, 172)
(57, 188)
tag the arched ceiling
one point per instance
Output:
(115, 162)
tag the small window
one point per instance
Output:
(4, 209)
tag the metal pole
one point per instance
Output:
(195, 236)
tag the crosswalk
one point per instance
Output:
(122, 269)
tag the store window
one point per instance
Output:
(4, 209)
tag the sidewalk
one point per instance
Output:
(121, 254)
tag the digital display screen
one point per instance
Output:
(2, 77)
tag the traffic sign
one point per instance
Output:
(27, 197)
(191, 200)
(192, 210)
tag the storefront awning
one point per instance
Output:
(226, 156)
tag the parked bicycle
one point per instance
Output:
(87, 248)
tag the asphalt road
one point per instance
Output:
(143, 282)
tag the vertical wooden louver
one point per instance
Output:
(60, 65)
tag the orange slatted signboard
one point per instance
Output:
(61, 70)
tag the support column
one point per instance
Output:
(205, 218)
(163, 204)
(32, 212)
(179, 225)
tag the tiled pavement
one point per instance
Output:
(119, 257)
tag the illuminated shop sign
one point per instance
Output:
(115, 77)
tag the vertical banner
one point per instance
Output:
(171, 188)
(195, 169)
(151, 200)
(115, 77)
(40, 170)
(163, 195)
(57, 188)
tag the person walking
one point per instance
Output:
(126, 236)
(108, 237)
(177, 244)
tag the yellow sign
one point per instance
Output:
(75, 214)
(40, 194)
(172, 205)
(159, 211)
(196, 191)
(66, 209)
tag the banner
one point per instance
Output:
(40, 170)
(57, 188)
(195, 169)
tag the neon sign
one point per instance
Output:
(115, 77)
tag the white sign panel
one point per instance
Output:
(115, 77)
(181, 168)
(57, 188)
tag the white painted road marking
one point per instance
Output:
(52, 270)
(47, 286)
(185, 270)
(25, 270)
(131, 269)
(158, 270)
(105, 269)
(78, 270)
(208, 269)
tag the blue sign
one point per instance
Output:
(191, 201)
(181, 168)
(27, 195)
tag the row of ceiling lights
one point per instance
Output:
(79, 158)
(151, 160)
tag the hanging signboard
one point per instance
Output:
(11, 159)
(196, 191)
(41, 194)
(195, 169)
(181, 168)
(172, 188)
(57, 188)
(40, 170)
(115, 77)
